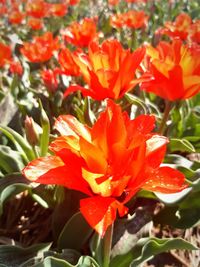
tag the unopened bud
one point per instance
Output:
(31, 132)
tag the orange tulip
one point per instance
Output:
(81, 33)
(67, 63)
(194, 33)
(5, 54)
(35, 24)
(131, 19)
(174, 70)
(109, 162)
(41, 49)
(15, 17)
(37, 8)
(113, 2)
(58, 10)
(108, 69)
(16, 68)
(179, 28)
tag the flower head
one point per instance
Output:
(58, 10)
(174, 70)
(131, 19)
(35, 24)
(109, 162)
(67, 63)
(5, 54)
(16, 68)
(37, 8)
(179, 28)
(108, 69)
(41, 49)
(15, 17)
(81, 33)
(50, 79)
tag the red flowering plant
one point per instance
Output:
(109, 162)
(173, 65)
(108, 69)
(81, 33)
(41, 49)
(173, 73)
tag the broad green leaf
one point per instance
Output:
(7, 109)
(53, 262)
(146, 248)
(10, 160)
(68, 255)
(84, 261)
(154, 246)
(181, 145)
(184, 215)
(75, 233)
(10, 191)
(20, 143)
(10, 179)
(14, 256)
(173, 198)
(128, 231)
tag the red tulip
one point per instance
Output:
(109, 162)
(174, 70)
(179, 28)
(67, 63)
(5, 54)
(81, 33)
(131, 19)
(41, 49)
(37, 8)
(108, 69)
(35, 24)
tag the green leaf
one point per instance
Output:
(128, 231)
(20, 143)
(14, 256)
(184, 215)
(11, 179)
(8, 109)
(10, 160)
(154, 246)
(84, 261)
(181, 145)
(53, 262)
(10, 191)
(146, 248)
(75, 233)
(44, 139)
(173, 198)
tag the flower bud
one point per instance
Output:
(31, 131)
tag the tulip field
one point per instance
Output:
(99, 133)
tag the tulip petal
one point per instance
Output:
(69, 125)
(155, 150)
(165, 180)
(100, 212)
(51, 170)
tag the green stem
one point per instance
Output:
(168, 107)
(107, 243)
